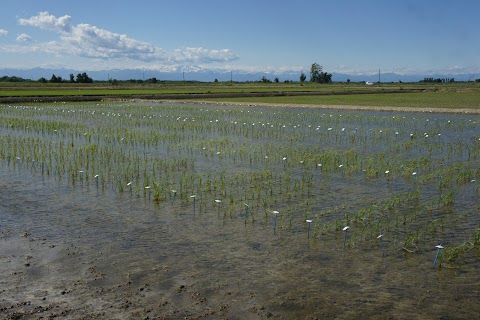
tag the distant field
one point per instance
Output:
(443, 99)
(68, 89)
(410, 95)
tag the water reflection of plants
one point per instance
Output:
(409, 177)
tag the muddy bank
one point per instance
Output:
(325, 106)
(44, 279)
(189, 96)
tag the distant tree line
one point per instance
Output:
(438, 80)
(150, 80)
(12, 79)
(265, 80)
(276, 80)
(317, 75)
(81, 78)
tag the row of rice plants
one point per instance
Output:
(271, 160)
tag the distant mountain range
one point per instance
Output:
(210, 76)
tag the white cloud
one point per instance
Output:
(48, 22)
(202, 55)
(271, 69)
(404, 71)
(47, 47)
(3, 32)
(85, 40)
(23, 37)
(90, 41)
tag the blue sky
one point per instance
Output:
(344, 36)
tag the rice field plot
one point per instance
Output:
(234, 210)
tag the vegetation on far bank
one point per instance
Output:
(424, 94)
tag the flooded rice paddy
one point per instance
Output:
(168, 211)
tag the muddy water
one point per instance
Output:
(87, 252)
(78, 251)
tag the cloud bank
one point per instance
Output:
(88, 41)
(3, 32)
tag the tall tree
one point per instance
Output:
(303, 77)
(317, 74)
(56, 79)
(315, 71)
(265, 80)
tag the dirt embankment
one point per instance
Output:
(205, 97)
(345, 107)
(182, 96)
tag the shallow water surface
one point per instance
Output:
(101, 248)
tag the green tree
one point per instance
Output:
(84, 78)
(317, 74)
(265, 80)
(315, 71)
(303, 77)
(55, 79)
(11, 79)
(276, 80)
(151, 80)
